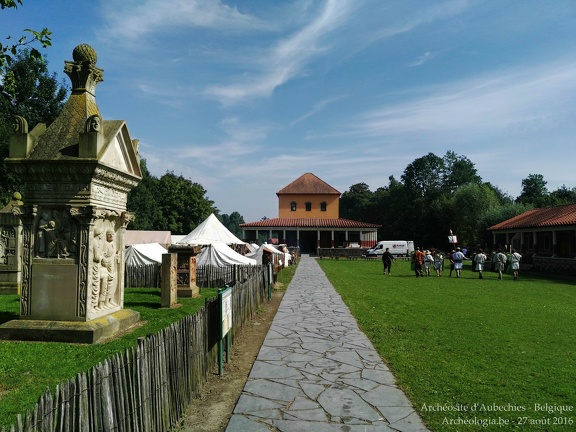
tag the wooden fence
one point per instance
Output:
(148, 387)
(145, 276)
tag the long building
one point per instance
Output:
(308, 217)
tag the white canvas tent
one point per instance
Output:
(144, 254)
(210, 231)
(142, 264)
(276, 254)
(220, 254)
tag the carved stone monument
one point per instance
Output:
(10, 247)
(77, 174)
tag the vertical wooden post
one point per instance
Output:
(169, 286)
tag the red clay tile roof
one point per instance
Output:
(308, 223)
(308, 184)
(540, 217)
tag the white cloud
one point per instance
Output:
(131, 20)
(286, 60)
(424, 58)
(506, 101)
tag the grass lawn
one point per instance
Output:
(27, 369)
(470, 352)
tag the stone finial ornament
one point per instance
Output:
(83, 72)
(84, 53)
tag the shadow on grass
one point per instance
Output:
(6, 316)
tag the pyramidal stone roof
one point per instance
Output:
(308, 184)
(60, 140)
(540, 217)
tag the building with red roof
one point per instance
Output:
(308, 217)
(545, 236)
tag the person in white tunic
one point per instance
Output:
(515, 258)
(479, 260)
(458, 258)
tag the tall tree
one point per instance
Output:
(425, 176)
(232, 222)
(37, 96)
(534, 191)
(356, 203)
(470, 202)
(563, 195)
(142, 201)
(459, 171)
(182, 203)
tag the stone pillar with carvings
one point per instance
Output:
(78, 172)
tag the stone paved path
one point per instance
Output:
(317, 372)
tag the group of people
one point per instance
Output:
(423, 261)
(499, 260)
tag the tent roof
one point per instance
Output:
(144, 254)
(132, 237)
(220, 254)
(210, 231)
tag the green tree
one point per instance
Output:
(37, 96)
(170, 203)
(183, 204)
(469, 203)
(7, 51)
(534, 191)
(563, 195)
(424, 177)
(232, 222)
(458, 171)
(356, 203)
(142, 201)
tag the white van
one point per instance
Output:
(397, 248)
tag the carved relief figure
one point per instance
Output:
(3, 257)
(108, 278)
(69, 233)
(41, 235)
(96, 259)
(56, 246)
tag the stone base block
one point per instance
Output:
(188, 292)
(89, 332)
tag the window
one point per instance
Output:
(293, 206)
(323, 206)
(308, 206)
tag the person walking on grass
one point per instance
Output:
(499, 263)
(438, 262)
(479, 260)
(451, 259)
(418, 261)
(387, 259)
(428, 261)
(458, 258)
(515, 258)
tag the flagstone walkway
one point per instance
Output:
(317, 372)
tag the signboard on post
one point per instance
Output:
(225, 302)
(226, 312)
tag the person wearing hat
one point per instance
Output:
(428, 260)
(458, 258)
(438, 262)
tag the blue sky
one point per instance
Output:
(245, 96)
